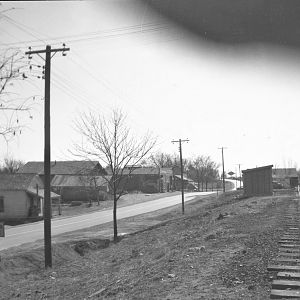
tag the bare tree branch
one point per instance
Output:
(12, 68)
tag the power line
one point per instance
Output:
(106, 84)
(102, 34)
(68, 88)
(22, 28)
(114, 32)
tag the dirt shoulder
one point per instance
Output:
(218, 250)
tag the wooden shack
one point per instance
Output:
(258, 181)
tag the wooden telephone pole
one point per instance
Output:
(181, 170)
(222, 148)
(47, 166)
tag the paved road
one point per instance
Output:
(18, 235)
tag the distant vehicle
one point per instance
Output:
(277, 185)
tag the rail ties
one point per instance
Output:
(287, 263)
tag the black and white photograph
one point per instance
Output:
(150, 149)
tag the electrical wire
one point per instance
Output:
(21, 27)
(102, 34)
(96, 35)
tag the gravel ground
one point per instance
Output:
(219, 250)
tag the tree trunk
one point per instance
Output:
(98, 198)
(115, 218)
(205, 186)
(202, 186)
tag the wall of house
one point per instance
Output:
(177, 184)
(146, 183)
(36, 180)
(288, 182)
(16, 205)
(74, 193)
(166, 182)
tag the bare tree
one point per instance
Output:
(211, 171)
(161, 160)
(12, 66)
(110, 140)
(203, 170)
(11, 165)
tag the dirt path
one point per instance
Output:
(219, 250)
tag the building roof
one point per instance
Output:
(78, 180)
(184, 178)
(16, 181)
(60, 167)
(284, 172)
(257, 169)
(138, 171)
(166, 171)
(142, 171)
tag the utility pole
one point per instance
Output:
(180, 141)
(222, 148)
(236, 179)
(240, 175)
(47, 161)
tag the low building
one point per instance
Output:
(81, 167)
(188, 184)
(80, 187)
(21, 197)
(258, 181)
(146, 179)
(285, 177)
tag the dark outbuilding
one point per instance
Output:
(258, 181)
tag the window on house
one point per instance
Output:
(1, 204)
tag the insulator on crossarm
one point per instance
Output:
(29, 56)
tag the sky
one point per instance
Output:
(168, 81)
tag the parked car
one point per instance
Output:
(277, 185)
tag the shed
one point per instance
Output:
(287, 177)
(21, 196)
(258, 181)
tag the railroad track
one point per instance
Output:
(286, 266)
